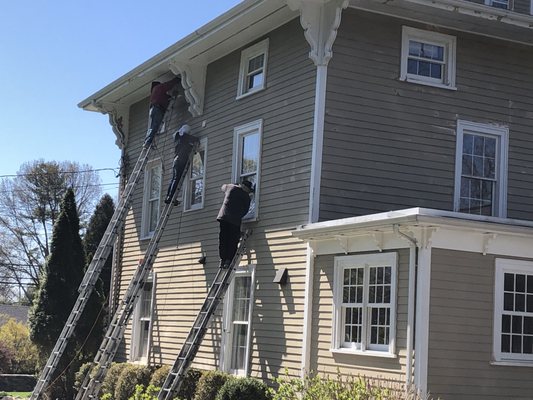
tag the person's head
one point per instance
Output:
(247, 186)
(154, 84)
(185, 129)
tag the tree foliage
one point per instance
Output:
(14, 336)
(95, 314)
(29, 208)
(57, 293)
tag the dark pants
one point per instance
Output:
(178, 166)
(154, 122)
(228, 240)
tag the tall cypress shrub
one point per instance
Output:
(95, 316)
(57, 293)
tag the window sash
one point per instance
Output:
(252, 70)
(152, 197)
(481, 161)
(143, 319)
(195, 184)
(513, 311)
(428, 58)
(365, 303)
(247, 160)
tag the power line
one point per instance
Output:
(65, 172)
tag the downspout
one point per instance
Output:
(320, 21)
(413, 256)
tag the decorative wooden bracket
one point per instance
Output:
(320, 20)
(193, 82)
(343, 242)
(488, 238)
(118, 119)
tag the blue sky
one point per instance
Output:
(53, 54)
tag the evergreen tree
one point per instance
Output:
(57, 293)
(95, 315)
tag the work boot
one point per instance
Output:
(168, 199)
(148, 141)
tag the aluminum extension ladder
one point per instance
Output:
(93, 380)
(91, 276)
(194, 339)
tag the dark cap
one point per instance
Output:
(248, 184)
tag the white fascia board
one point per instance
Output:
(412, 217)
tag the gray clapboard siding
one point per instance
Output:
(391, 144)
(286, 108)
(460, 337)
(322, 359)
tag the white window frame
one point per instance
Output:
(447, 41)
(137, 325)
(151, 167)
(515, 267)
(188, 186)
(227, 333)
(501, 133)
(366, 261)
(255, 127)
(490, 3)
(246, 55)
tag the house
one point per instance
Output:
(18, 312)
(391, 145)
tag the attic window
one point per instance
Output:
(252, 73)
(503, 4)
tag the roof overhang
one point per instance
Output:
(461, 15)
(240, 25)
(425, 227)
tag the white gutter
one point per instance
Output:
(480, 11)
(410, 304)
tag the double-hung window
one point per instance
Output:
(481, 169)
(503, 4)
(364, 304)
(247, 159)
(152, 198)
(252, 72)
(142, 323)
(428, 58)
(195, 184)
(238, 305)
(513, 312)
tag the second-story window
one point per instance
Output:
(152, 197)
(481, 169)
(428, 58)
(195, 188)
(503, 4)
(252, 72)
(247, 159)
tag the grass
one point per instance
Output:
(18, 395)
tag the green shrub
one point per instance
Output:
(80, 375)
(244, 389)
(141, 394)
(16, 338)
(209, 384)
(159, 375)
(110, 381)
(131, 376)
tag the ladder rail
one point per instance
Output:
(93, 380)
(91, 276)
(195, 337)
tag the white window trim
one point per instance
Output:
(145, 234)
(246, 55)
(238, 132)
(502, 133)
(186, 206)
(514, 266)
(137, 326)
(225, 355)
(389, 258)
(449, 42)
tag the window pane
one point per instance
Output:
(508, 282)
(255, 80)
(197, 169)
(506, 343)
(520, 283)
(506, 323)
(238, 350)
(196, 191)
(241, 298)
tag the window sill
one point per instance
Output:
(369, 353)
(195, 208)
(146, 237)
(243, 95)
(513, 363)
(425, 83)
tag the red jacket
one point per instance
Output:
(159, 94)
